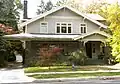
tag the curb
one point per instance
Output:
(77, 79)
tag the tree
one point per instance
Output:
(48, 6)
(9, 15)
(95, 6)
(71, 3)
(6, 47)
(3, 47)
(9, 12)
(44, 7)
(114, 20)
(62, 2)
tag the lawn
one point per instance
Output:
(64, 69)
(69, 75)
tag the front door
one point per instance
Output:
(94, 50)
(88, 49)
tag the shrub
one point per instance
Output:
(49, 54)
(77, 57)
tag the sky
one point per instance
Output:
(32, 5)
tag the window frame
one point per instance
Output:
(61, 27)
(46, 26)
(83, 28)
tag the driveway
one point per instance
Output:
(13, 76)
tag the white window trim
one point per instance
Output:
(47, 27)
(60, 27)
(80, 28)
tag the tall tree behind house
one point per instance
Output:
(44, 7)
(9, 12)
(72, 3)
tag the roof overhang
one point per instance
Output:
(93, 33)
(54, 37)
(40, 37)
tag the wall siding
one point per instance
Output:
(70, 16)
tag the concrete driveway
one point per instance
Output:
(14, 76)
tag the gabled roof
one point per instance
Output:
(92, 33)
(58, 8)
(95, 17)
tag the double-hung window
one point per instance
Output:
(83, 27)
(43, 27)
(63, 27)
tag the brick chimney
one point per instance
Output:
(25, 10)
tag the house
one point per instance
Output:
(67, 28)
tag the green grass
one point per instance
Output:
(69, 75)
(64, 69)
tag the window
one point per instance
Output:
(43, 27)
(63, 27)
(93, 50)
(83, 27)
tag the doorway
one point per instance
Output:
(88, 47)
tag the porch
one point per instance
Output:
(91, 43)
(95, 49)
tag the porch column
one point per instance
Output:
(84, 47)
(27, 52)
(107, 55)
(24, 50)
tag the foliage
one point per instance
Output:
(9, 15)
(70, 3)
(114, 15)
(7, 29)
(9, 12)
(78, 57)
(95, 6)
(44, 7)
(48, 54)
(11, 45)
(3, 49)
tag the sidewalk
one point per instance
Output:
(77, 79)
(18, 76)
(14, 76)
